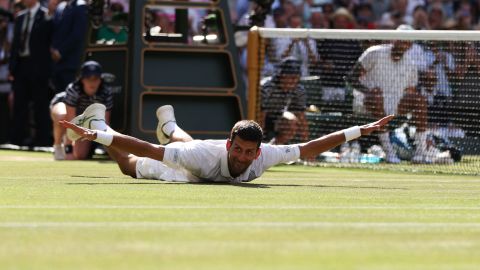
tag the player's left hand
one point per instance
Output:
(85, 133)
(371, 127)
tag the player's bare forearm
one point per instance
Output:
(324, 143)
(314, 147)
(122, 142)
(137, 147)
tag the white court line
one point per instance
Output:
(337, 225)
(242, 207)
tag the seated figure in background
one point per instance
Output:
(89, 88)
(115, 32)
(388, 77)
(283, 93)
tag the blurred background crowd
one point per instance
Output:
(366, 14)
(445, 68)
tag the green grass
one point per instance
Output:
(86, 215)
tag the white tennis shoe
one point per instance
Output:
(165, 116)
(92, 118)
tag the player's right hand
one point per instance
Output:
(85, 133)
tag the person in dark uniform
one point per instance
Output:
(70, 25)
(281, 93)
(29, 68)
(89, 88)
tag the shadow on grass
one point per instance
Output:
(242, 185)
(88, 176)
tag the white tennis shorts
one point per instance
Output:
(148, 168)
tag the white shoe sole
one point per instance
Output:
(92, 118)
(165, 114)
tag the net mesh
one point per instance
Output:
(313, 82)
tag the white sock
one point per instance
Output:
(169, 128)
(386, 144)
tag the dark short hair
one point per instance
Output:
(248, 130)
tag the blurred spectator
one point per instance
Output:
(115, 32)
(412, 6)
(327, 7)
(241, 9)
(442, 64)
(336, 58)
(5, 4)
(17, 7)
(165, 22)
(120, 6)
(464, 19)
(6, 36)
(420, 18)
(302, 49)
(466, 93)
(388, 77)
(379, 7)
(30, 70)
(447, 7)
(280, 18)
(307, 8)
(6, 105)
(397, 15)
(342, 19)
(348, 4)
(364, 16)
(289, 8)
(70, 24)
(318, 20)
(436, 17)
(281, 93)
(89, 88)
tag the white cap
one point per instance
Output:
(405, 27)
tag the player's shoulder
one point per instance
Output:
(268, 148)
(381, 48)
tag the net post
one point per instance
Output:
(254, 54)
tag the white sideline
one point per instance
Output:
(153, 224)
(245, 207)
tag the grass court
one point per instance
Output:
(87, 215)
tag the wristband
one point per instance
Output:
(104, 138)
(352, 133)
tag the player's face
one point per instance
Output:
(241, 154)
(91, 84)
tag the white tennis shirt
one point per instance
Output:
(207, 160)
(392, 77)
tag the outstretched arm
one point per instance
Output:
(322, 144)
(120, 141)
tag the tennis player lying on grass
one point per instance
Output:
(241, 158)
